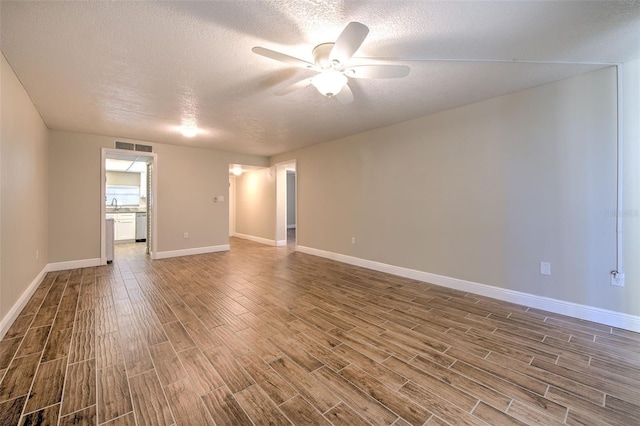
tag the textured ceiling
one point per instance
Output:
(138, 70)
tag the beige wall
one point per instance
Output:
(188, 179)
(23, 200)
(256, 203)
(232, 205)
(630, 214)
(481, 193)
(281, 204)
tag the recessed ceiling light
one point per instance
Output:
(189, 132)
(237, 170)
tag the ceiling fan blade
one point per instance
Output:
(377, 71)
(292, 87)
(281, 57)
(348, 42)
(345, 96)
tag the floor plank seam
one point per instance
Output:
(44, 348)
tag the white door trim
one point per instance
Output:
(151, 198)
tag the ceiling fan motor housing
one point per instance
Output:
(321, 55)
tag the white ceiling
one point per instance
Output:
(137, 70)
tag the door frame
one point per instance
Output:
(232, 205)
(152, 198)
(281, 200)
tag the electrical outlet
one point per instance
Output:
(617, 280)
(353, 240)
(545, 268)
(186, 235)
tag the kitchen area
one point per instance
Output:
(126, 200)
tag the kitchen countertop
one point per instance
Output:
(126, 210)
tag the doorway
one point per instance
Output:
(291, 207)
(250, 195)
(128, 192)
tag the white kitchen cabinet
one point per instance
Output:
(124, 226)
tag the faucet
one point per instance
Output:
(115, 200)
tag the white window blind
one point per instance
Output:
(125, 195)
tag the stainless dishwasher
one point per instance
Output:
(141, 227)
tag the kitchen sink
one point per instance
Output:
(123, 210)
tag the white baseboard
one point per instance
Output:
(281, 243)
(585, 312)
(191, 251)
(15, 310)
(256, 239)
(73, 264)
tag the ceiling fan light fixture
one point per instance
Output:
(329, 82)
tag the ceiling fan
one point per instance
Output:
(330, 62)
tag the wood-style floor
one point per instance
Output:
(264, 335)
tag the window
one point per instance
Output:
(125, 195)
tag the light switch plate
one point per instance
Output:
(545, 268)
